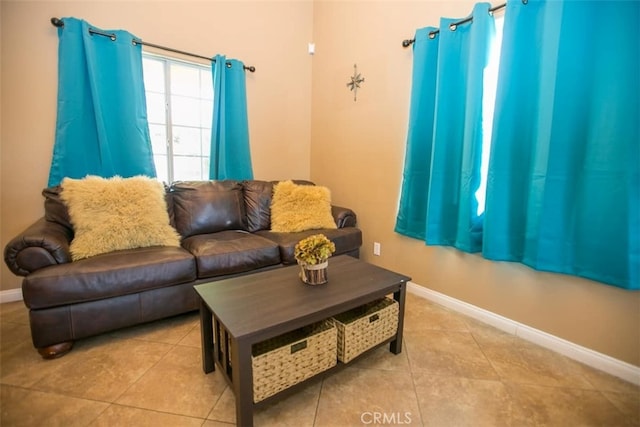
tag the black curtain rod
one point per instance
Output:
(454, 25)
(59, 23)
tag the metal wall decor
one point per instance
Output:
(354, 84)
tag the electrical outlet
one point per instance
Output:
(376, 248)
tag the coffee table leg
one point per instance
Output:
(396, 345)
(206, 336)
(242, 373)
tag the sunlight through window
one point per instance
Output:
(490, 83)
(179, 109)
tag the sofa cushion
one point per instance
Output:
(230, 252)
(300, 207)
(347, 240)
(116, 213)
(108, 275)
(257, 199)
(54, 208)
(202, 207)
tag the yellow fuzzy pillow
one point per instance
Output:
(300, 207)
(117, 213)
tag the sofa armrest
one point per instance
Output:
(344, 217)
(42, 244)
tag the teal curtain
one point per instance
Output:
(101, 126)
(563, 189)
(444, 144)
(230, 150)
(452, 212)
(412, 211)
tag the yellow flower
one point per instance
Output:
(314, 249)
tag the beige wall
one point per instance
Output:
(303, 123)
(272, 36)
(357, 150)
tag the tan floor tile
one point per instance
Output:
(421, 314)
(354, 397)
(448, 353)
(177, 385)
(27, 408)
(225, 408)
(295, 410)
(117, 415)
(210, 423)
(487, 335)
(553, 406)
(20, 363)
(193, 337)
(381, 358)
(12, 334)
(169, 331)
(102, 368)
(528, 363)
(8, 307)
(627, 403)
(454, 401)
(14, 312)
(603, 381)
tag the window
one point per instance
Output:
(179, 108)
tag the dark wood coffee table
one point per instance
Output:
(249, 309)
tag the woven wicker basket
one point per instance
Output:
(293, 357)
(365, 326)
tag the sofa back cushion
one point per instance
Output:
(201, 207)
(54, 208)
(257, 199)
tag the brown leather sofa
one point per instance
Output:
(225, 229)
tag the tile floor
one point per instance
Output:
(453, 371)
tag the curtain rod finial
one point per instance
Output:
(57, 22)
(407, 43)
(251, 68)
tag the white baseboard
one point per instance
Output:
(618, 368)
(11, 295)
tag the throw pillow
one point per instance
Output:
(116, 213)
(300, 207)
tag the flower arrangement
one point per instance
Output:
(314, 250)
